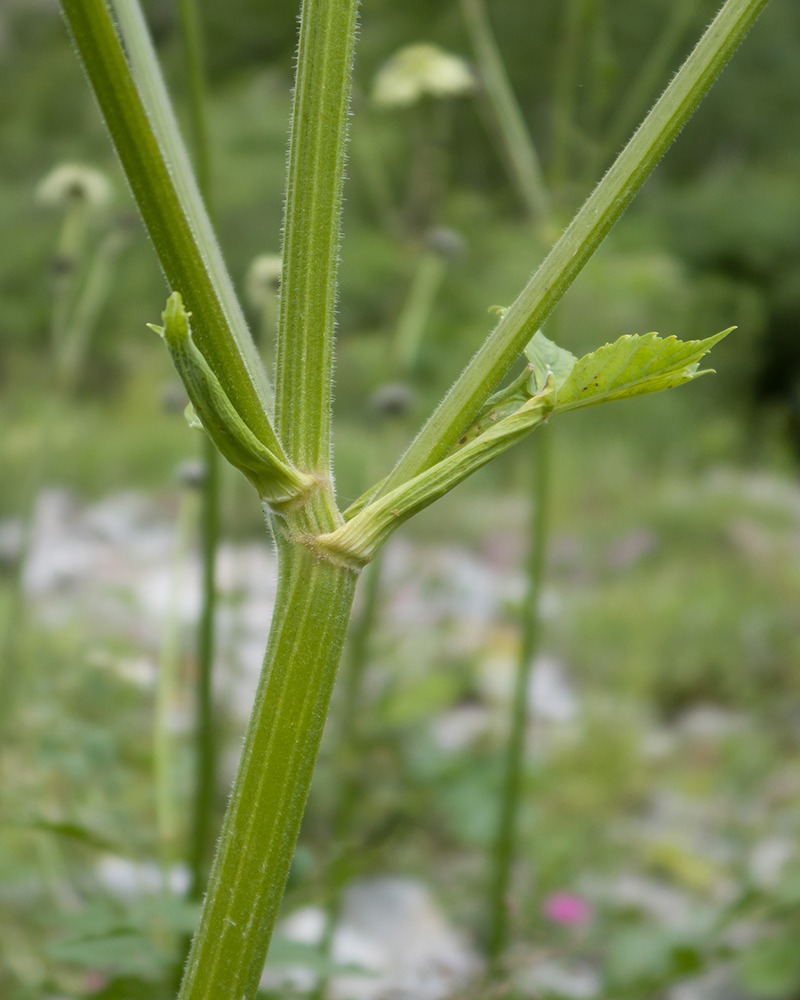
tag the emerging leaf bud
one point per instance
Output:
(276, 481)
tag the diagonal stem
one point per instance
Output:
(158, 171)
(586, 232)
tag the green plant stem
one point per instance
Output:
(304, 355)
(205, 729)
(428, 275)
(194, 59)
(263, 819)
(565, 91)
(588, 229)
(168, 198)
(538, 462)
(164, 742)
(205, 748)
(653, 71)
(93, 297)
(518, 145)
(348, 758)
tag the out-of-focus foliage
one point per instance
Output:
(661, 779)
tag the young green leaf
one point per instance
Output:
(633, 366)
(277, 483)
(545, 356)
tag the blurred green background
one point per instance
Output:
(663, 774)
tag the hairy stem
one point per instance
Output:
(586, 232)
(311, 231)
(347, 759)
(269, 796)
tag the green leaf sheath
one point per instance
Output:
(276, 482)
(311, 232)
(633, 366)
(263, 819)
(545, 357)
(179, 229)
(589, 228)
(356, 542)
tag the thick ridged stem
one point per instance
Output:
(269, 796)
(587, 231)
(347, 759)
(304, 356)
(538, 460)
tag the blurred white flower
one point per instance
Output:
(74, 182)
(421, 70)
(263, 279)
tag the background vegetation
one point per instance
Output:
(662, 789)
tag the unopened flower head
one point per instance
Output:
(418, 71)
(71, 183)
(263, 279)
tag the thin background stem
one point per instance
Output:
(537, 464)
(205, 738)
(519, 146)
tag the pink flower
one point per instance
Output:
(567, 908)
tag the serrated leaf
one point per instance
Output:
(633, 366)
(546, 356)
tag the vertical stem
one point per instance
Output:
(303, 370)
(347, 758)
(519, 147)
(503, 850)
(194, 61)
(93, 297)
(205, 748)
(425, 284)
(269, 796)
(564, 97)
(205, 736)
(164, 744)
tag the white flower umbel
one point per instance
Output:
(421, 70)
(74, 182)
